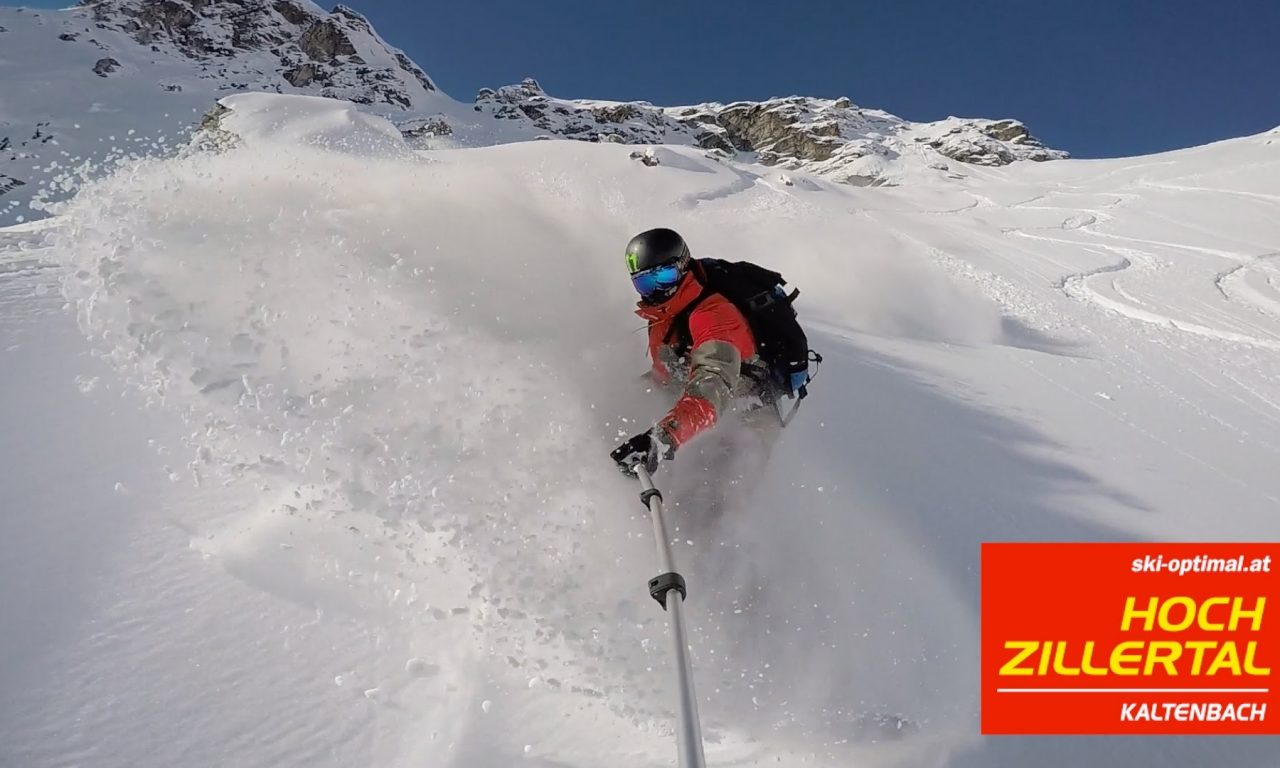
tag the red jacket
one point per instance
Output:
(712, 374)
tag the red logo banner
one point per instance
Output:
(1130, 638)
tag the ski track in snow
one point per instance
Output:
(1274, 199)
(1114, 297)
(744, 182)
(381, 423)
(1255, 282)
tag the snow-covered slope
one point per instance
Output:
(368, 517)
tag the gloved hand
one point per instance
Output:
(647, 449)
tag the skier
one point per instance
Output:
(701, 337)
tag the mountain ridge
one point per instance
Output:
(79, 79)
(338, 53)
(827, 137)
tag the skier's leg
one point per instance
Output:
(756, 431)
(698, 492)
(728, 563)
(720, 470)
(731, 460)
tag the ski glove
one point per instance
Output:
(647, 448)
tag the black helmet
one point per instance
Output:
(658, 260)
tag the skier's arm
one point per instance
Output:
(721, 338)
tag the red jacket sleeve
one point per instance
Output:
(712, 376)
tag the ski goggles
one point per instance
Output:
(657, 279)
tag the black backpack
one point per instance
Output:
(758, 294)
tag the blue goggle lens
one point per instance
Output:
(657, 279)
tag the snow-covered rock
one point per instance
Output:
(279, 45)
(983, 142)
(831, 137)
(103, 81)
(303, 121)
(105, 66)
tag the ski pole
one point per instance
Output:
(689, 732)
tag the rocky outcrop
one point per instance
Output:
(407, 65)
(153, 20)
(291, 12)
(418, 133)
(11, 151)
(326, 41)
(9, 183)
(353, 17)
(1006, 130)
(587, 121)
(213, 135)
(304, 75)
(830, 137)
(104, 67)
(275, 45)
(988, 142)
(647, 157)
(779, 131)
(211, 122)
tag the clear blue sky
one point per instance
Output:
(1096, 77)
